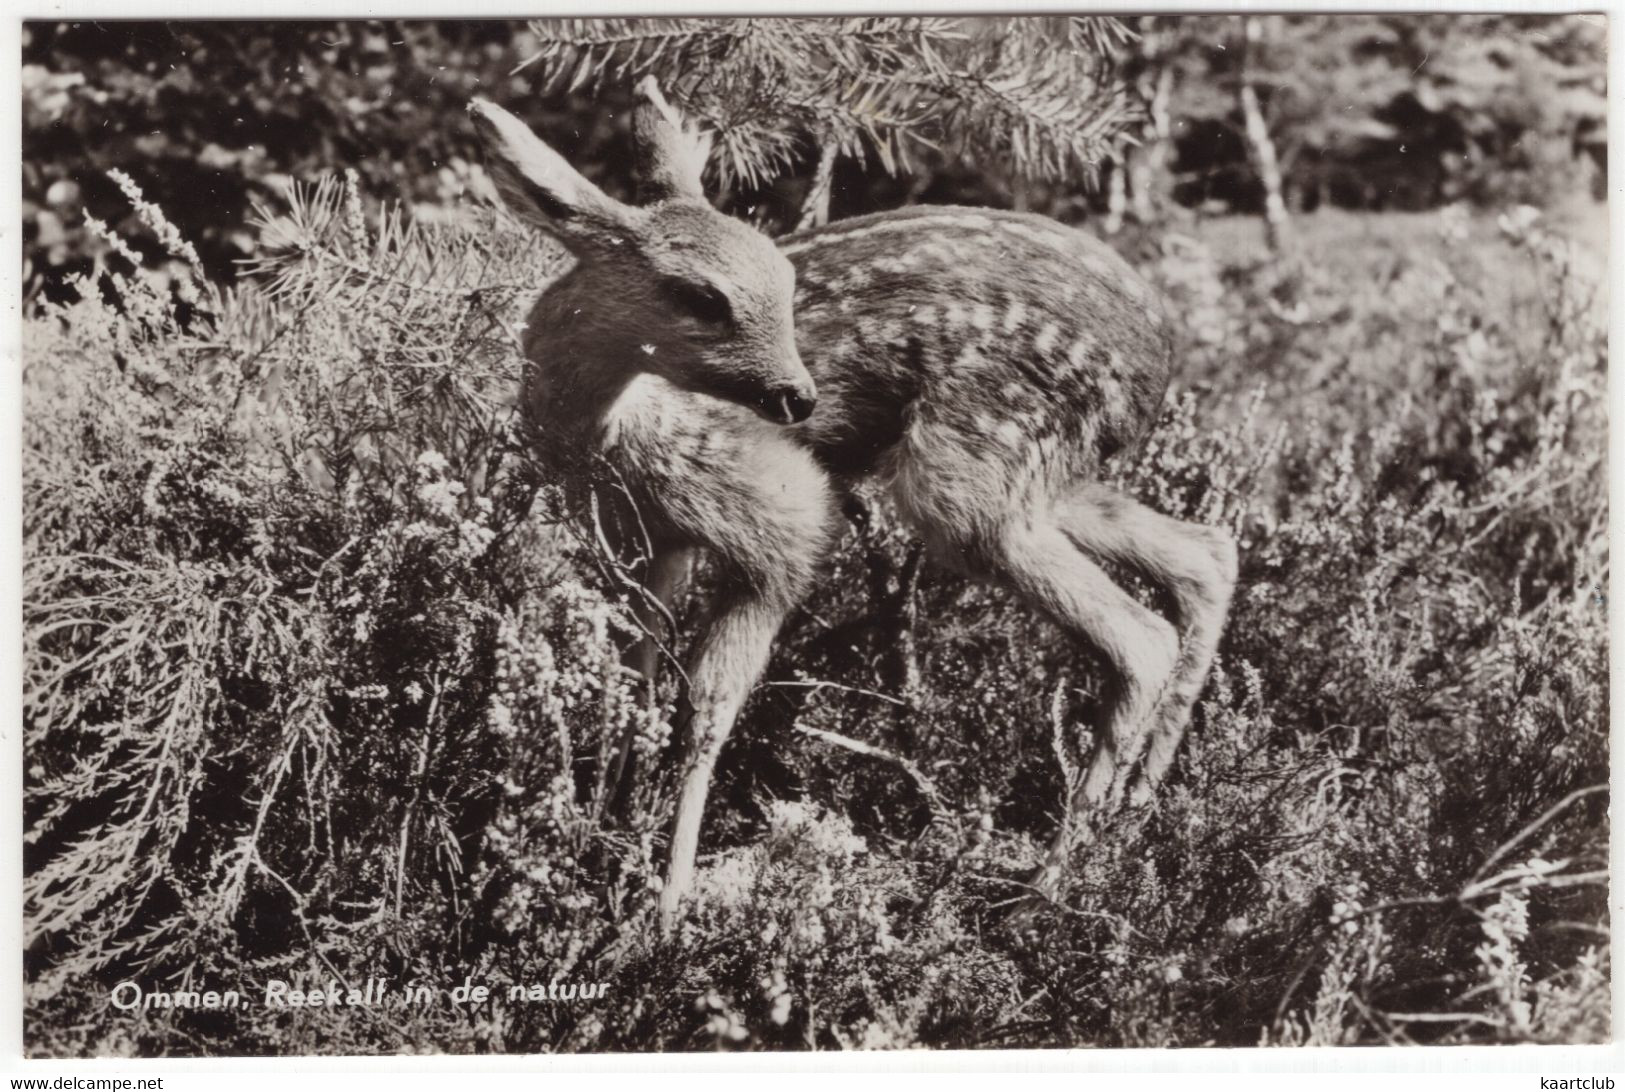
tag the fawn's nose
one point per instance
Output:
(788, 405)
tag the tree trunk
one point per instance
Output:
(815, 209)
(1021, 197)
(1117, 192)
(1148, 164)
(1260, 146)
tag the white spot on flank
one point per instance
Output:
(1136, 289)
(926, 316)
(1111, 395)
(1076, 354)
(1047, 337)
(938, 250)
(647, 348)
(856, 279)
(1013, 317)
(953, 314)
(981, 316)
(1106, 272)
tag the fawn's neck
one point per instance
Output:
(582, 356)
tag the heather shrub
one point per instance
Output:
(266, 578)
(322, 684)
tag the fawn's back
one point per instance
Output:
(1006, 335)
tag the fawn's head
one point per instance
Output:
(686, 292)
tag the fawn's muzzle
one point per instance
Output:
(787, 405)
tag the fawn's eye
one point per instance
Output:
(701, 301)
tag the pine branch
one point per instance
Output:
(1041, 126)
(1038, 93)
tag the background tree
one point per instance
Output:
(1260, 145)
(1145, 163)
(1368, 111)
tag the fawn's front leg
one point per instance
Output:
(766, 519)
(731, 655)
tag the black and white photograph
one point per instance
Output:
(810, 533)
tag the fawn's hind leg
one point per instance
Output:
(1041, 562)
(1195, 564)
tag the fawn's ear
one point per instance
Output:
(669, 154)
(543, 190)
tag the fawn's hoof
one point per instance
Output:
(1039, 898)
(1024, 916)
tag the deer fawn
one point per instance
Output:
(980, 364)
